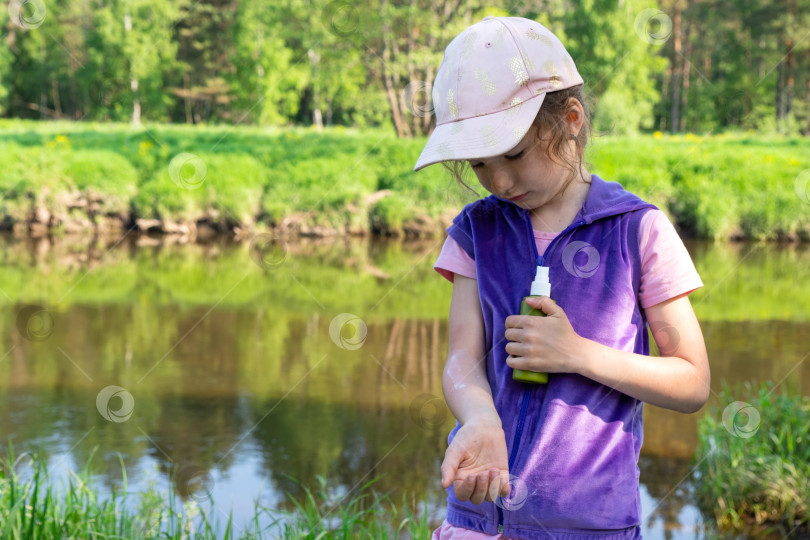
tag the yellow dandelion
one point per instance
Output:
(657, 134)
(144, 147)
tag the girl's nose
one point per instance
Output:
(502, 181)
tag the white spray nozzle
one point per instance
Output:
(541, 286)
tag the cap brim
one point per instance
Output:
(480, 136)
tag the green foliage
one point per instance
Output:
(48, 177)
(365, 514)
(221, 188)
(104, 173)
(337, 63)
(713, 187)
(617, 66)
(31, 506)
(389, 213)
(322, 185)
(730, 185)
(754, 458)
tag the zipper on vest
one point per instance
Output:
(542, 258)
(527, 393)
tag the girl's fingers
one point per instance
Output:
(450, 466)
(494, 485)
(464, 488)
(505, 487)
(481, 486)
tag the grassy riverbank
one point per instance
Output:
(67, 176)
(754, 461)
(31, 506)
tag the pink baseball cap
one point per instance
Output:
(490, 86)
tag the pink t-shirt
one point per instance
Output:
(666, 267)
(666, 271)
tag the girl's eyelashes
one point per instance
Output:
(516, 156)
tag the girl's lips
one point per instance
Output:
(518, 197)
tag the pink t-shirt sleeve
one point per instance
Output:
(667, 269)
(454, 260)
(666, 266)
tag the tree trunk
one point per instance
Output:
(75, 104)
(136, 103)
(57, 104)
(43, 93)
(414, 121)
(314, 62)
(187, 100)
(389, 79)
(687, 69)
(676, 71)
(806, 128)
(133, 81)
(780, 94)
(665, 82)
(790, 60)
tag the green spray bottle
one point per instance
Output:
(541, 286)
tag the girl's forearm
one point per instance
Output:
(670, 382)
(466, 389)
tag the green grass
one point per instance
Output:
(754, 466)
(31, 506)
(722, 186)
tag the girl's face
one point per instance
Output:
(524, 175)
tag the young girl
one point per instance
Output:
(557, 459)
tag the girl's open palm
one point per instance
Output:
(476, 463)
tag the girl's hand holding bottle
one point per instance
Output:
(545, 344)
(476, 462)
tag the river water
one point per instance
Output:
(232, 367)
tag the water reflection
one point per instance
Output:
(237, 384)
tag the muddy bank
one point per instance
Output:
(82, 214)
(78, 213)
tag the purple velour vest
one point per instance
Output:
(573, 443)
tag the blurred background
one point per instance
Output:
(677, 66)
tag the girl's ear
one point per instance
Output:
(575, 116)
